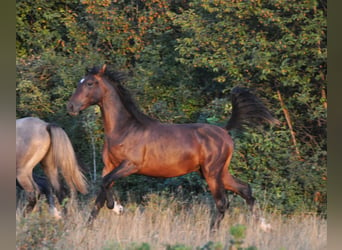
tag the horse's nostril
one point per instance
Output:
(70, 107)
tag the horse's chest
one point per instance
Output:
(118, 152)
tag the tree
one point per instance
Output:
(182, 59)
(275, 47)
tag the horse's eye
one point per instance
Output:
(89, 84)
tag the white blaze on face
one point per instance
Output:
(118, 209)
(82, 80)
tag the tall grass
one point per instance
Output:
(166, 223)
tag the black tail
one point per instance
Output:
(248, 110)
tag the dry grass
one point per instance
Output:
(162, 222)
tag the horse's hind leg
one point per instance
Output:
(220, 201)
(51, 171)
(45, 188)
(239, 187)
(218, 192)
(26, 182)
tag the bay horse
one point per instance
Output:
(135, 143)
(48, 144)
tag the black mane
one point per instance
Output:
(113, 76)
(116, 78)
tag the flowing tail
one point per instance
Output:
(248, 110)
(64, 157)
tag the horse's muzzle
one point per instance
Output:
(72, 109)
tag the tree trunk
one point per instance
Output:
(289, 123)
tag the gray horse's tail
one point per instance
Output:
(64, 158)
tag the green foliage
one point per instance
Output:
(178, 247)
(238, 233)
(132, 246)
(183, 58)
(210, 245)
(161, 192)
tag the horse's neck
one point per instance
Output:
(115, 116)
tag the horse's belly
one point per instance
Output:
(165, 168)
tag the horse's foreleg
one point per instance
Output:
(126, 168)
(99, 203)
(109, 195)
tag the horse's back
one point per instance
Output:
(211, 139)
(196, 133)
(32, 141)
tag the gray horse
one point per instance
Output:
(40, 142)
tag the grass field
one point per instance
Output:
(167, 223)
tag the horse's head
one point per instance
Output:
(89, 91)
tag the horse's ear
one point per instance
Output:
(103, 69)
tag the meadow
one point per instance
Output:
(183, 58)
(168, 222)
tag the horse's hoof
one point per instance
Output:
(118, 209)
(110, 204)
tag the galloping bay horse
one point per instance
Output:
(137, 144)
(40, 142)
